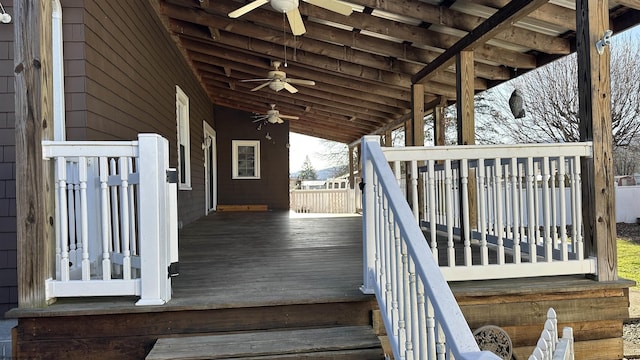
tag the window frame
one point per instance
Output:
(235, 144)
(183, 140)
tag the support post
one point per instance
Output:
(594, 91)
(439, 124)
(34, 176)
(154, 240)
(368, 218)
(417, 105)
(466, 122)
(351, 168)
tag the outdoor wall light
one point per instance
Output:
(605, 41)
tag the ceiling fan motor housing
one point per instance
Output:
(284, 5)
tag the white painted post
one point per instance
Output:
(368, 220)
(154, 257)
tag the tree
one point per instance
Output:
(551, 101)
(307, 172)
(337, 155)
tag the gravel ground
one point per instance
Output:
(631, 332)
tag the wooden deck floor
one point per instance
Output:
(243, 259)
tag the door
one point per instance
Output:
(210, 175)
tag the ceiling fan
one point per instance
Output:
(290, 8)
(273, 116)
(278, 80)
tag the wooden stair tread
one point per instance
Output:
(319, 342)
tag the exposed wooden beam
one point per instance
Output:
(633, 4)
(320, 90)
(373, 24)
(594, 91)
(553, 14)
(509, 14)
(458, 20)
(33, 123)
(419, 35)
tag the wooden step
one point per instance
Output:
(344, 342)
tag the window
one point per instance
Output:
(246, 159)
(184, 148)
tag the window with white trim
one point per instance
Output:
(246, 159)
(184, 145)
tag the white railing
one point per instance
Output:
(107, 244)
(421, 316)
(499, 210)
(549, 346)
(332, 201)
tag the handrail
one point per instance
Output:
(421, 315)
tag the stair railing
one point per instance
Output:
(421, 316)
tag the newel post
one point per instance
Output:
(368, 218)
(594, 90)
(35, 230)
(155, 227)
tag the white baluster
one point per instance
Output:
(515, 204)
(531, 209)
(133, 238)
(115, 217)
(564, 248)
(78, 213)
(441, 344)
(577, 224)
(466, 224)
(402, 280)
(554, 204)
(431, 330)
(499, 226)
(433, 211)
(508, 201)
(104, 194)
(451, 254)
(484, 251)
(71, 212)
(61, 165)
(422, 321)
(84, 218)
(124, 208)
(409, 300)
(414, 191)
(546, 211)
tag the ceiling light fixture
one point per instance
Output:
(4, 17)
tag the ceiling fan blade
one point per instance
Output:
(295, 21)
(332, 5)
(290, 88)
(245, 9)
(289, 117)
(250, 80)
(279, 120)
(260, 86)
(301, 81)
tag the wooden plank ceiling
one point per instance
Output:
(363, 64)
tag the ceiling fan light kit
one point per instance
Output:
(284, 6)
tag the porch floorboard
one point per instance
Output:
(241, 259)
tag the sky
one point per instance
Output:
(301, 146)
